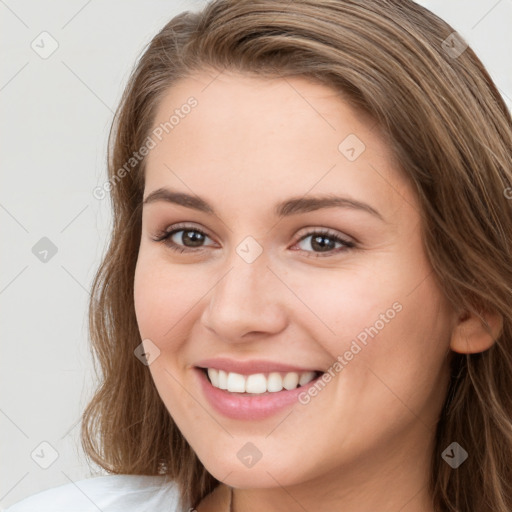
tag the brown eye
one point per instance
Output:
(189, 237)
(323, 241)
(183, 238)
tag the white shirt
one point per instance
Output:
(111, 493)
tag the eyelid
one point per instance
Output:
(165, 235)
(309, 230)
(306, 231)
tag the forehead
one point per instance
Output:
(271, 136)
(275, 110)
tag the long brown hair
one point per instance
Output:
(451, 134)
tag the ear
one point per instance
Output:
(471, 335)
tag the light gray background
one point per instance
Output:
(55, 117)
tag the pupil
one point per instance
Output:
(319, 242)
(196, 237)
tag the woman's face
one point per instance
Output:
(282, 279)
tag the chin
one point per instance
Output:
(263, 474)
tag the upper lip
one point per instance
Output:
(250, 367)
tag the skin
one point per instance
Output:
(364, 443)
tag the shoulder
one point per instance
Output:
(111, 493)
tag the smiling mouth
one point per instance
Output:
(258, 383)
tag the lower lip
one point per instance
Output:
(243, 407)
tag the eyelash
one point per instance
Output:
(165, 236)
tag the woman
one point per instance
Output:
(305, 304)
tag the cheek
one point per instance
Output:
(402, 361)
(162, 296)
(385, 321)
(335, 305)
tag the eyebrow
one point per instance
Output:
(292, 206)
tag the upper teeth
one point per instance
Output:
(258, 382)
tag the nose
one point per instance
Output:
(247, 302)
